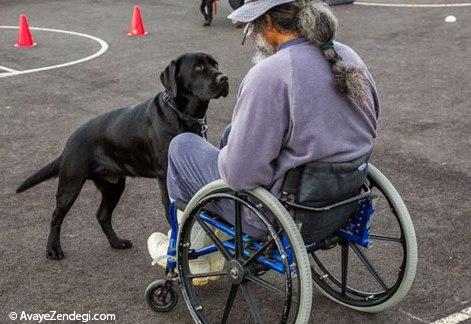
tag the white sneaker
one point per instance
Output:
(157, 245)
(198, 239)
(216, 259)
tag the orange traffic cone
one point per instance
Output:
(25, 39)
(137, 26)
(215, 7)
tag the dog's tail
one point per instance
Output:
(47, 172)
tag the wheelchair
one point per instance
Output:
(366, 262)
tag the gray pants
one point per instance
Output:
(192, 164)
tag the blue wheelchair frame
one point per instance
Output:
(357, 231)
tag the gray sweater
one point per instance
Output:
(288, 113)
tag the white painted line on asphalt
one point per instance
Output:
(7, 69)
(103, 48)
(414, 317)
(411, 5)
(460, 316)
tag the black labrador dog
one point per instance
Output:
(131, 141)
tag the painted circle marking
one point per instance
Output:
(411, 5)
(103, 48)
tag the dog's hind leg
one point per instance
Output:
(111, 193)
(67, 192)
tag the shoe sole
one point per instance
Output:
(200, 281)
(204, 281)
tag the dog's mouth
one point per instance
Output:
(214, 90)
(217, 91)
(224, 90)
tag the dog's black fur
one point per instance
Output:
(131, 141)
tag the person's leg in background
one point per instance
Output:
(209, 12)
(203, 9)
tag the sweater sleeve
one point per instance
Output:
(259, 124)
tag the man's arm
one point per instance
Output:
(259, 126)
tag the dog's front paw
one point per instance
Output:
(54, 253)
(121, 244)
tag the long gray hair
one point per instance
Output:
(315, 21)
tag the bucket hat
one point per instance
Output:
(252, 9)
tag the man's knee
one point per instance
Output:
(183, 143)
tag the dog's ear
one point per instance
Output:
(169, 79)
(213, 61)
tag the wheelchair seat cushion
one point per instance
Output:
(319, 184)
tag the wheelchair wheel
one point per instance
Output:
(160, 296)
(375, 278)
(265, 279)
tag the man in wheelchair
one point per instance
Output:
(288, 200)
(305, 119)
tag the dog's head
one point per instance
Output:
(195, 74)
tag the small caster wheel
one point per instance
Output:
(160, 296)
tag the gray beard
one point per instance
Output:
(262, 48)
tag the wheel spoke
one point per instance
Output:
(344, 267)
(251, 302)
(229, 303)
(368, 266)
(385, 238)
(238, 230)
(215, 239)
(260, 251)
(332, 278)
(208, 274)
(265, 284)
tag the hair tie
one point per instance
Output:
(327, 45)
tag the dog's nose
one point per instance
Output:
(221, 78)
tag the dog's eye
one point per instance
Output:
(199, 68)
